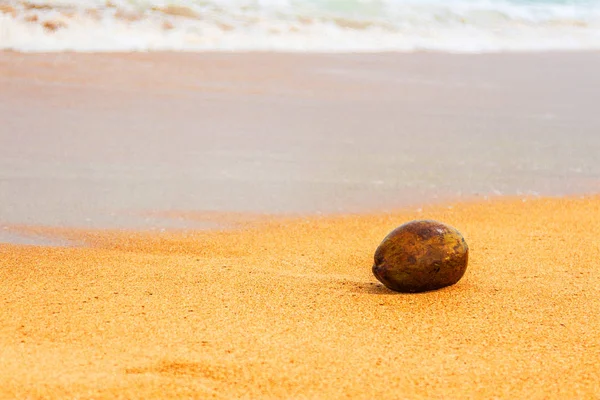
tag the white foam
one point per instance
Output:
(287, 25)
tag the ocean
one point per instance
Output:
(456, 26)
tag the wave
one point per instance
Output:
(309, 25)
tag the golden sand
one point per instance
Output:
(288, 308)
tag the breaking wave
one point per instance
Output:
(292, 25)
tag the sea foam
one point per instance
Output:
(462, 26)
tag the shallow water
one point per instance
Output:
(108, 140)
(6, 236)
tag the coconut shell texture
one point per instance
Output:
(420, 256)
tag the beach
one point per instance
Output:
(289, 309)
(181, 225)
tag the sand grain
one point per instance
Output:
(289, 309)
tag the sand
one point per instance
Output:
(288, 308)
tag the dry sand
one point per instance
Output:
(288, 308)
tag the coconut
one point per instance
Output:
(420, 256)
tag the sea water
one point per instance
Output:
(459, 26)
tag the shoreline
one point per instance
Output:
(186, 222)
(218, 222)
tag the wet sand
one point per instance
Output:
(95, 140)
(288, 308)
